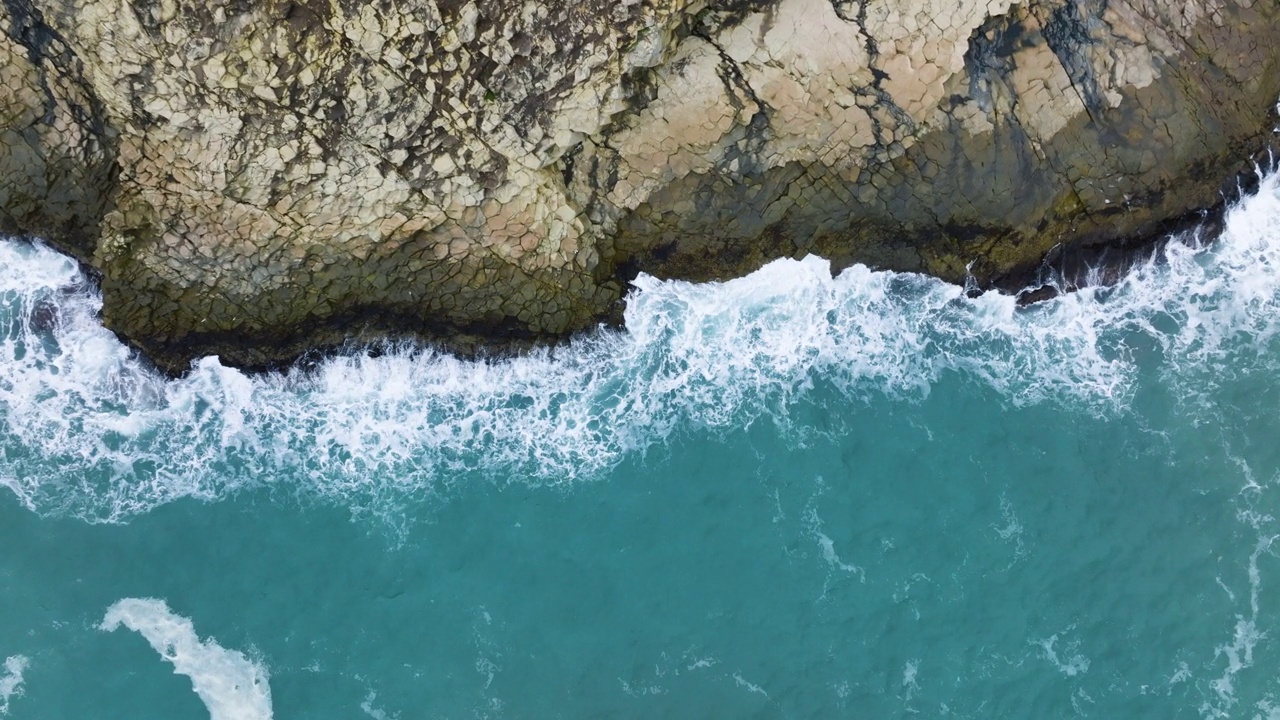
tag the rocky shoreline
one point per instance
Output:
(1070, 268)
(257, 179)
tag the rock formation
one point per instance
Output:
(254, 178)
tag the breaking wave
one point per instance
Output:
(88, 430)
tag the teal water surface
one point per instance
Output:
(787, 496)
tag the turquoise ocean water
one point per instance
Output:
(786, 496)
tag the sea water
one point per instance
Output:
(791, 495)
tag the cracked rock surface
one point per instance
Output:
(256, 178)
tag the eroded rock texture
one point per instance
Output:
(254, 178)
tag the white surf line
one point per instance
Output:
(713, 356)
(11, 681)
(230, 685)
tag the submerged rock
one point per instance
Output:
(255, 178)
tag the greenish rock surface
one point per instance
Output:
(256, 178)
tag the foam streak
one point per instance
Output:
(230, 685)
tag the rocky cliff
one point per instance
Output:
(254, 178)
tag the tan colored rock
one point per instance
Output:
(255, 179)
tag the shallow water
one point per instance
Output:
(790, 495)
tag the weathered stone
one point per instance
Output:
(260, 177)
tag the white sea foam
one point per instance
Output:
(11, 681)
(1267, 710)
(230, 685)
(1012, 530)
(828, 546)
(373, 710)
(1071, 663)
(1237, 656)
(748, 685)
(112, 439)
(909, 685)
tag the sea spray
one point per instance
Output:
(230, 685)
(90, 431)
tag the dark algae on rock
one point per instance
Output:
(258, 178)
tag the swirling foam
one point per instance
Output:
(11, 681)
(230, 685)
(87, 430)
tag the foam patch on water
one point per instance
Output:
(1070, 662)
(11, 680)
(369, 708)
(230, 685)
(87, 430)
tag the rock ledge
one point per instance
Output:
(257, 178)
